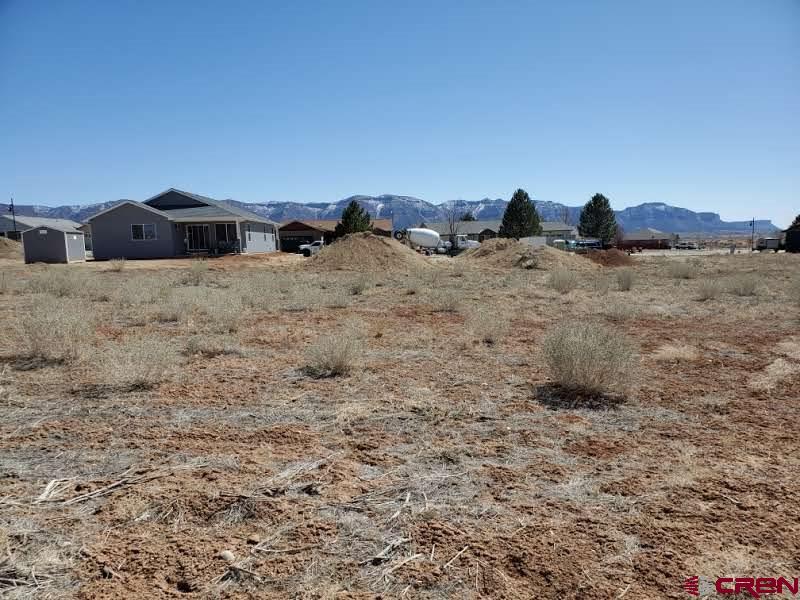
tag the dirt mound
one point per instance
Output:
(505, 253)
(368, 252)
(610, 258)
(10, 248)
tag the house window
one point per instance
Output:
(226, 232)
(146, 231)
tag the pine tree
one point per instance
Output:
(598, 220)
(520, 219)
(468, 216)
(354, 219)
(795, 224)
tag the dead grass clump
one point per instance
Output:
(210, 347)
(117, 265)
(743, 285)
(676, 352)
(680, 269)
(10, 248)
(590, 358)
(55, 330)
(773, 374)
(196, 273)
(794, 290)
(445, 300)
(708, 289)
(625, 279)
(562, 280)
(136, 363)
(60, 281)
(487, 326)
(334, 355)
(6, 283)
(359, 286)
(610, 258)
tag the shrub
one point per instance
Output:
(55, 330)
(196, 273)
(590, 358)
(211, 346)
(487, 326)
(625, 279)
(334, 355)
(743, 285)
(136, 363)
(445, 300)
(116, 264)
(58, 281)
(359, 286)
(601, 285)
(563, 280)
(708, 289)
(678, 269)
(794, 290)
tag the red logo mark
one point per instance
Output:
(755, 587)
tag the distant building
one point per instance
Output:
(484, 230)
(295, 233)
(648, 238)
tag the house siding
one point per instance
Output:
(7, 224)
(111, 234)
(262, 237)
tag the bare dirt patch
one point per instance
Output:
(444, 462)
(368, 252)
(504, 253)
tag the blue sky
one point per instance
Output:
(696, 104)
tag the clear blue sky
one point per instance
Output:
(691, 102)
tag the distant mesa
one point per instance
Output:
(407, 211)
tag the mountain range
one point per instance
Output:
(407, 211)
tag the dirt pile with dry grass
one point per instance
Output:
(504, 253)
(10, 248)
(610, 258)
(367, 252)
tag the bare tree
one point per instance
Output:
(564, 214)
(453, 219)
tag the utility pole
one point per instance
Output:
(13, 216)
(752, 234)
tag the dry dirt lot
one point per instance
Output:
(168, 430)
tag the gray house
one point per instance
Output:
(24, 222)
(177, 223)
(53, 245)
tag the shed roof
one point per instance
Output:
(59, 224)
(60, 229)
(648, 233)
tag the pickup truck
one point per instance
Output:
(312, 248)
(766, 244)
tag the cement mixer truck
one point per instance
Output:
(430, 241)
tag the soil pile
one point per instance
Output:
(610, 258)
(504, 253)
(10, 248)
(367, 252)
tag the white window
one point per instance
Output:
(145, 231)
(43, 232)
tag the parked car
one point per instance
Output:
(311, 249)
(686, 246)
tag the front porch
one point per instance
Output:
(209, 238)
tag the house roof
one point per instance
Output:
(224, 209)
(466, 227)
(214, 210)
(330, 224)
(59, 224)
(476, 227)
(648, 233)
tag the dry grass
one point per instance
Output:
(196, 273)
(445, 300)
(211, 346)
(743, 285)
(708, 289)
(590, 358)
(679, 269)
(563, 280)
(135, 363)
(774, 374)
(625, 279)
(676, 352)
(117, 265)
(334, 355)
(54, 330)
(487, 325)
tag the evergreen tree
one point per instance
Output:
(795, 224)
(468, 216)
(520, 219)
(354, 219)
(598, 220)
